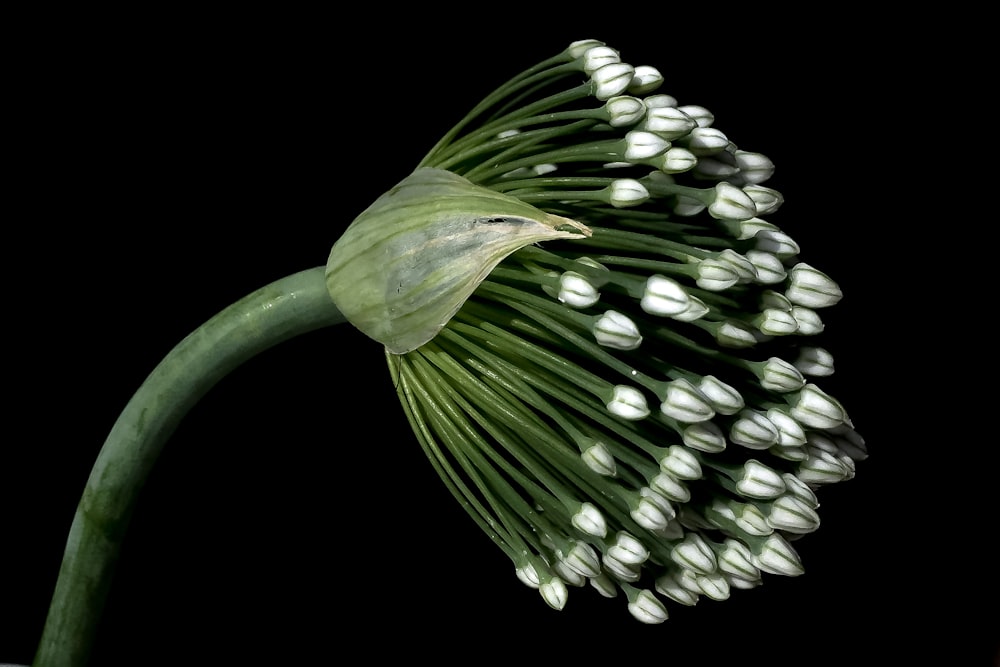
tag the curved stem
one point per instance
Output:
(291, 306)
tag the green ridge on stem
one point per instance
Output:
(291, 306)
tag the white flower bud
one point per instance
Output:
(645, 608)
(808, 321)
(822, 468)
(620, 570)
(753, 430)
(723, 397)
(624, 110)
(748, 229)
(792, 515)
(625, 192)
(611, 79)
(583, 559)
(760, 482)
(576, 291)
(811, 288)
(713, 586)
(527, 575)
(776, 242)
(731, 203)
(800, 490)
(777, 556)
(814, 408)
(695, 554)
(685, 403)
(568, 575)
(645, 79)
(770, 269)
(659, 100)
(669, 585)
(705, 437)
(554, 593)
(653, 511)
(780, 376)
(604, 585)
(579, 48)
(628, 403)
(790, 432)
(754, 167)
(681, 463)
(743, 267)
(597, 57)
(715, 275)
(686, 206)
(668, 122)
(664, 296)
(814, 361)
(771, 299)
(615, 330)
(849, 442)
(670, 488)
(641, 145)
(599, 459)
(751, 520)
(700, 114)
(696, 310)
(678, 160)
(774, 322)
(589, 520)
(736, 559)
(709, 168)
(628, 549)
(742, 584)
(767, 200)
(705, 140)
(735, 334)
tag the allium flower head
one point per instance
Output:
(602, 341)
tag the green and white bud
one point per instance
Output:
(754, 430)
(628, 549)
(849, 442)
(684, 402)
(736, 560)
(792, 515)
(681, 463)
(709, 168)
(774, 322)
(705, 437)
(579, 48)
(588, 519)
(759, 481)
(808, 321)
(554, 592)
(604, 585)
(645, 608)
(670, 586)
(677, 160)
(814, 408)
(668, 122)
(576, 291)
(407, 263)
(670, 488)
(790, 432)
(624, 110)
(653, 511)
(767, 200)
(659, 101)
(611, 79)
(664, 296)
(776, 242)
(754, 167)
(645, 79)
(641, 145)
(625, 192)
(814, 361)
(822, 467)
(618, 331)
(621, 570)
(800, 490)
(705, 140)
(731, 203)
(569, 576)
(583, 559)
(811, 288)
(696, 310)
(685, 206)
(769, 267)
(599, 459)
(702, 116)
(745, 271)
(716, 275)
(735, 334)
(695, 554)
(780, 376)
(597, 56)
(628, 403)
(776, 556)
(725, 400)
(713, 586)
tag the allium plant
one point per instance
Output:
(606, 347)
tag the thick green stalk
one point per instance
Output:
(286, 308)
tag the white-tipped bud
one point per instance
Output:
(653, 511)
(583, 559)
(742, 584)
(685, 206)
(645, 79)
(808, 321)
(754, 167)
(767, 200)
(641, 145)
(569, 576)
(604, 585)
(790, 432)
(735, 334)
(811, 288)
(576, 291)
(748, 229)
(849, 442)
(800, 490)
(777, 556)
(670, 488)
(619, 569)
(599, 459)
(645, 608)
(705, 140)
(713, 586)
(774, 322)
(702, 116)
(709, 168)
(677, 160)
(597, 57)
(669, 585)
(822, 467)
(723, 397)
(588, 519)
(579, 48)
(705, 437)
(754, 430)
(628, 403)
(611, 79)
(743, 267)
(659, 100)
(736, 560)
(776, 242)
(759, 481)
(731, 203)
(684, 402)
(780, 376)
(527, 575)
(770, 270)
(792, 515)
(664, 296)
(613, 329)
(554, 592)
(628, 549)
(716, 275)
(696, 310)
(771, 299)
(668, 122)
(625, 192)
(681, 463)
(814, 408)
(624, 110)
(751, 520)
(695, 554)
(814, 361)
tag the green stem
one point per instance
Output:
(294, 305)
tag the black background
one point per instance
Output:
(176, 163)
